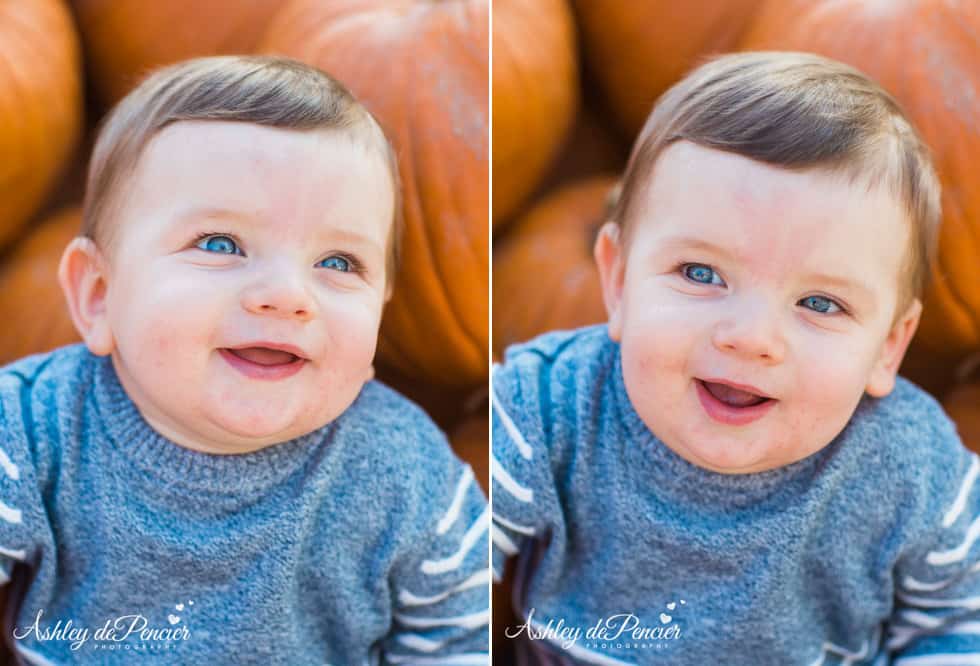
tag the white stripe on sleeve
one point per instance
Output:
(8, 466)
(522, 446)
(469, 539)
(960, 502)
(471, 621)
(454, 507)
(470, 659)
(503, 477)
(481, 577)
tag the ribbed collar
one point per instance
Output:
(146, 449)
(687, 481)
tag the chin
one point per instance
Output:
(264, 426)
(718, 456)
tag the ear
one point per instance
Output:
(83, 276)
(610, 258)
(882, 379)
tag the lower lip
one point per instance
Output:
(257, 371)
(727, 414)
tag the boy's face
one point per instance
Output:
(246, 281)
(741, 274)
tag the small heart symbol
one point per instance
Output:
(179, 607)
(192, 603)
(682, 601)
(670, 606)
(664, 618)
(174, 619)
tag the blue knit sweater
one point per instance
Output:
(863, 553)
(362, 542)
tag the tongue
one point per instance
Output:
(733, 396)
(263, 356)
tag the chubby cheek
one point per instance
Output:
(351, 325)
(657, 344)
(164, 325)
(826, 390)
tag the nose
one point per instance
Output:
(752, 333)
(280, 293)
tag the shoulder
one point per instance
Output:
(398, 463)
(908, 446)
(557, 377)
(560, 349)
(562, 363)
(42, 386)
(40, 396)
(908, 426)
(396, 435)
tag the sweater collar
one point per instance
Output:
(149, 451)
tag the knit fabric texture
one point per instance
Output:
(864, 552)
(362, 542)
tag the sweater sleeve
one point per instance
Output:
(441, 589)
(936, 617)
(21, 506)
(524, 496)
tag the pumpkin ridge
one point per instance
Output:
(428, 233)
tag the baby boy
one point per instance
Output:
(729, 470)
(214, 477)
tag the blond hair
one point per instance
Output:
(265, 90)
(798, 111)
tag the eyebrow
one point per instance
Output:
(676, 242)
(206, 212)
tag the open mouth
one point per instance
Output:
(264, 356)
(730, 405)
(732, 396)
(263, 362)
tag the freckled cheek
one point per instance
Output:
(163, 337)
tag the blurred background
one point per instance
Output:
(573, 81)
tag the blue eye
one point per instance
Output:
(821, 304)
(218, 244)
(335, 262)
(702, 274)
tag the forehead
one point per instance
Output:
(296, 181)
(780, 221)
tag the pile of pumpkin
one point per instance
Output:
(573, 81)
(422, 68)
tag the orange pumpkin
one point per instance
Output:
(36, 317)
(41, 110)
(638, 49)
(422, 70)
(124, 40)
(544, 277)
(963, 406)
(471, 442)
(592, 149)
(924, 52)
(535, 95)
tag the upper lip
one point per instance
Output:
(741, 387)
(278, 346)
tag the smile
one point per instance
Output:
(263, 362)
(730, 405)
